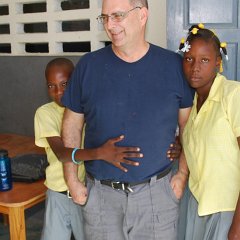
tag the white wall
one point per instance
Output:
(156, 30)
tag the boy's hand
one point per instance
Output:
(78, 192)
(117, 155)
(174, 150)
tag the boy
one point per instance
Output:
(62, 216)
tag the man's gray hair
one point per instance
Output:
(141, 3)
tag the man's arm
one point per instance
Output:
(179, 180)
(71, 136)
(234, 232)
(56, 145)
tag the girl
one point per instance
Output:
(211, 139)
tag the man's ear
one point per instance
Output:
(144, 14)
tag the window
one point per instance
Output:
(4, 10)
(4, 29)
(50, 27)
(35, 7)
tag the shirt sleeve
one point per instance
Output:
(72, 95)
(44, 126)
(188, 95)
(233, 109)
(187, 91)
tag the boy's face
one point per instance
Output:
(57, 78)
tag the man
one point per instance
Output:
(135, 89)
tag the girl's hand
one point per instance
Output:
(174, 150)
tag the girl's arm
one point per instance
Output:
(234, 232)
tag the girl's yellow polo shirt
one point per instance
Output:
(211, 148)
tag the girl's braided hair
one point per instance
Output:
(199, 32)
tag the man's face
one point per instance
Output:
(127, 31)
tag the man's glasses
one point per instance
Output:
(115, 17)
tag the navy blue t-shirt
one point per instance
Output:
(139, 100)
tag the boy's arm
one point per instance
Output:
(234, 232)
(108, 152)
(71, 135)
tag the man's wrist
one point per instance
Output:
(183, 172)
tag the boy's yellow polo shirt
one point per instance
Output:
(211, 148)
(48, 123)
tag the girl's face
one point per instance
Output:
(201, 64)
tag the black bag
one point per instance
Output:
(28, 167)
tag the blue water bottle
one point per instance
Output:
(5, 171)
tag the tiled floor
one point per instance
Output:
(34, 222)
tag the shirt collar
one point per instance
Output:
(216, 90)
(215, 94)
(58, 108)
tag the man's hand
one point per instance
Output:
(116, 155)
(174, 150)
(78, 192)
(178, 183)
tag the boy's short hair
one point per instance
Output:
(61, 62)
